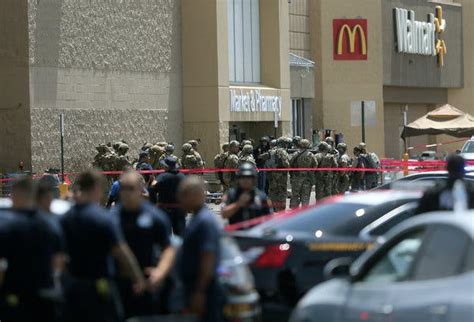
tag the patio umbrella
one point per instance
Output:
(443, 120)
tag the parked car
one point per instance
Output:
(423, 272)
(428, 156)
(243, 301)
(467, 151)
(287, 255)
(425, 179)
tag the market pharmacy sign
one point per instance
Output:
(421, 37)
(252, 101)
(350, 39)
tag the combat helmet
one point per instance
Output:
(247, 149)
(123, 148)
(169, 148)
(146, 146)
(304, 144)
(329, 140)
(234, 144)
(194, 143)
(186, 148)
(342, 147)
(246, 169)
(323, 147)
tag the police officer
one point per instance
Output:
(263, 147)
(30, 244)
(200, 254)
(453, 194)
(93, 238)
(167, 189)
(144, 228)
(245, 201)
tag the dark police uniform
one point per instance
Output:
(167, 188)
(259, 205)
(441, 197)
(90, 235)
(143, 230)
(201, 235)
(28, 241)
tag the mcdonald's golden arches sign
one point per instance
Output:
(350, 39)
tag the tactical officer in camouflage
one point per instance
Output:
(246, 155)
(231, 162)
(344, 161)
(278, 182)
(302, 181)
(324, 179)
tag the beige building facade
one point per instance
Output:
(216, 70)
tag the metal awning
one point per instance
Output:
(298, 61)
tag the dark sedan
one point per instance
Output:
(287, 255)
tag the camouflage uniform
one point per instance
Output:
(104, 159)
(156, 152)
(344, 161)
(302, 181)
(324, 179)
(219, 161)
(246, 155)
(169, 152)
(122, 161)
(189, 159)
(278, 182)
(335, 153)
(231, 162)
(195, 144)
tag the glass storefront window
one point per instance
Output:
(244, 41)
(297, 109)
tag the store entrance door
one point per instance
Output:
(298, 116)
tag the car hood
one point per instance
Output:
(468, 156)
(333, 289)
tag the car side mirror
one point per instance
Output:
(338, 267)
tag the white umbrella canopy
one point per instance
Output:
(444, 120)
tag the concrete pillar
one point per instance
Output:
(338, 82)
(15, 121)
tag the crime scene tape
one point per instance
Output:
(386, 166)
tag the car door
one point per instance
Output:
(434, 279)
(369, 297)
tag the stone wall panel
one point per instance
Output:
(85, 129)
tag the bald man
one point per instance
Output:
(145, 228)
(200, 254)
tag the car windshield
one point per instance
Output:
(468, 147)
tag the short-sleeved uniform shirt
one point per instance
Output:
(143, 230)
(28, 241)
(167, 188)
(201, 235)
(258, 206)
(90, 233)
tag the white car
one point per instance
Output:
(424, 271)
(467, 151)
